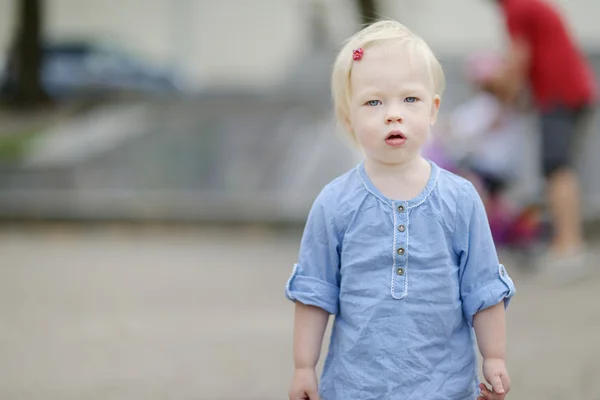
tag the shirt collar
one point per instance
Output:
(416, 201)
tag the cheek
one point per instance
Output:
(425, 116)
(356, 115)
(365, 118)
(421, 122)
(366, 131)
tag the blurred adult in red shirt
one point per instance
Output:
(544, 55)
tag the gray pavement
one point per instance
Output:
(117, 313)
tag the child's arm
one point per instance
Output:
(485, 287)
(314, 286)
(309, 326)
(490, 329)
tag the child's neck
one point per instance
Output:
(402, 181)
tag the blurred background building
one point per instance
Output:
(231, 97)
(217, 112)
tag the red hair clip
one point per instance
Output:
(357, 54)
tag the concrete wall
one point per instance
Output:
(6, 22)
(225, 42)
(458, 26)
(254, 42)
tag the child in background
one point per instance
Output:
(484, 137)
(398, 249)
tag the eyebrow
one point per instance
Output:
(369, 92)
(408, 90)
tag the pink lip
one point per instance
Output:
(395, 139)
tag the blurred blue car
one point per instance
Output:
(87, 69)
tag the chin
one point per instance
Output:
(392, 160)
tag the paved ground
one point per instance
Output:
(117, 314)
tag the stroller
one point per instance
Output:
(514, 224)
(480, 140)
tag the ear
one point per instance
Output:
(435, 107)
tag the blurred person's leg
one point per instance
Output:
(563, 137)
(564, 200)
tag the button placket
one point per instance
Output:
(399, 271)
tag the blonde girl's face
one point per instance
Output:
(392, 104)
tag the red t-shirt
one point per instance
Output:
(558, 72)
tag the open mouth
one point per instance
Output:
(397, 135)
(395, 138)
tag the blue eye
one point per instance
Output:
(411, 99)
(373, 103)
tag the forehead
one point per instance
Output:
(389, 66)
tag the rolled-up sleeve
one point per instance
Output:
(315, 279)
(484, 282)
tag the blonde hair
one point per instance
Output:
(377, 33)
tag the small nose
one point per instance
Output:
(394, 115)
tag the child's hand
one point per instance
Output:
(494, 371)
(304, 385)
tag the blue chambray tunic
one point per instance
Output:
(404, 280)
